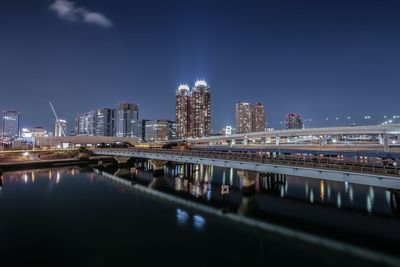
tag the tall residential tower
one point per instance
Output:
(243, 117)
(249, 118)
(193, 110)
(200, 110)
(257, 117)
(182, 100)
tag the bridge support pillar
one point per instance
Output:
(384, 140)
(277, 140)
(157, 166)
(323, 141)
(245, 142)
(248, 179)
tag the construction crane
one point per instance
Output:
(57, 119)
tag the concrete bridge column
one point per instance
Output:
(245, 142)
(384, 140)
(157, 166)
(323, 141)
(277, 140)
(248, 180)
(386, 143)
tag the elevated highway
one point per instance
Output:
(320, 135)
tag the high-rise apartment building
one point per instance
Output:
(127, 115)
(249, 118)
(243, 117)
(182, 100)
(10, 125)
(200, 110)
(293, 121)
(257, 117)
(193, 110)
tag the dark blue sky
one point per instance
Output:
(317, 58)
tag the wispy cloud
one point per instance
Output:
(67, 10)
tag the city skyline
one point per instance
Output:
(293, 57)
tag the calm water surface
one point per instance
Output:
(72, 217)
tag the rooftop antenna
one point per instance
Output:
(57, 119)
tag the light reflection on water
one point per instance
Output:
(35, 176)
(206, 182)
(89, 216)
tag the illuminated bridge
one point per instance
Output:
(370, 172)
(382, 133)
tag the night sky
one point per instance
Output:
(316, 58)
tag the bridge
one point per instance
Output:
(382, 132)
(367, 172)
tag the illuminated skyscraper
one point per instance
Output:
(105, 122)
(243, 117)
(182, 102)
(85, 124)
(193, 110)
(293, 121)
(257, 118)
(200, 110)
(249, 118)
(10, 124)
(127, 115)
